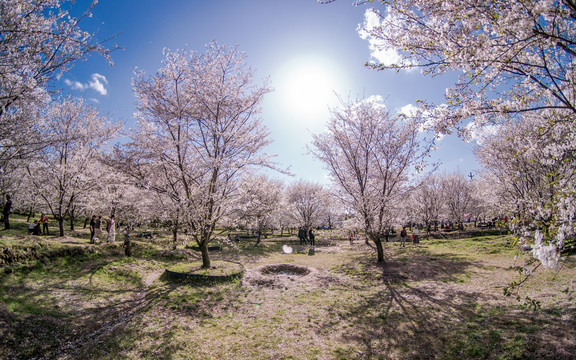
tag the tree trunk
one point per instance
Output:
(175, 231)
(127, 243)
(205, 257)
(379, 249)
(72, 218)
(175, 236)
(61, 225)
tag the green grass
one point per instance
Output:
(442, 299)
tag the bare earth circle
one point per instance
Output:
(285, 269)
(287, 276)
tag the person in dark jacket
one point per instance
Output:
(6, 212)
(92, 229)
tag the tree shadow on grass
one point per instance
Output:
(411, 323)
(416, 264)
(417, 309)
(53, 312)
(82, 333)
(111, 329)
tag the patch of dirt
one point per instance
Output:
(285, 269)
(288, 276)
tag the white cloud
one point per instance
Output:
(98, 83)
(478, 133)
(409, 110)
(377, 102)
(382, 54)
(75, 85)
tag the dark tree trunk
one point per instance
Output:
(175, 237)
(31, 214)
(72, 218)
(61, 225)
(205, 257)
(259, 237)
(379, 249)
(175, 231)
(127, 244)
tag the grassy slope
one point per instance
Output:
(442, 299)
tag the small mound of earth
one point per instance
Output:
(286, 276)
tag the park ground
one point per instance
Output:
(62, 298)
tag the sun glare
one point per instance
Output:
(308, 86)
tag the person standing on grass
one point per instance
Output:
(351, 237)
(98, 227)
(403, 236)
(312, 237)
(44, 221)
(301, 235)
(111, 228)
(416, 235)
(92, 229)
(6, 212)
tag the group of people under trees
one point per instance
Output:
(415, 236)
(306, 236)
(96, 229)
(40, 227)
(111, 227)
(34, 227)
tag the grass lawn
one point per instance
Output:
(442, 299)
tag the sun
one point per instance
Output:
(308, 86)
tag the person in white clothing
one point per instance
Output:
(415, 235)
(111, 230)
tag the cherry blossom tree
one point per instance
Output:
(513, 56)
(307, 203)
(39, 40)
(132, 205)
(334, 211)
(282, 217)
(513, 169)
(258, 200)
(428, 201)
(459, 197)
(370, 156)
(63, 173)
(532, 168)
(197, 134)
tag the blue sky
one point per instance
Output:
(308, 51)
